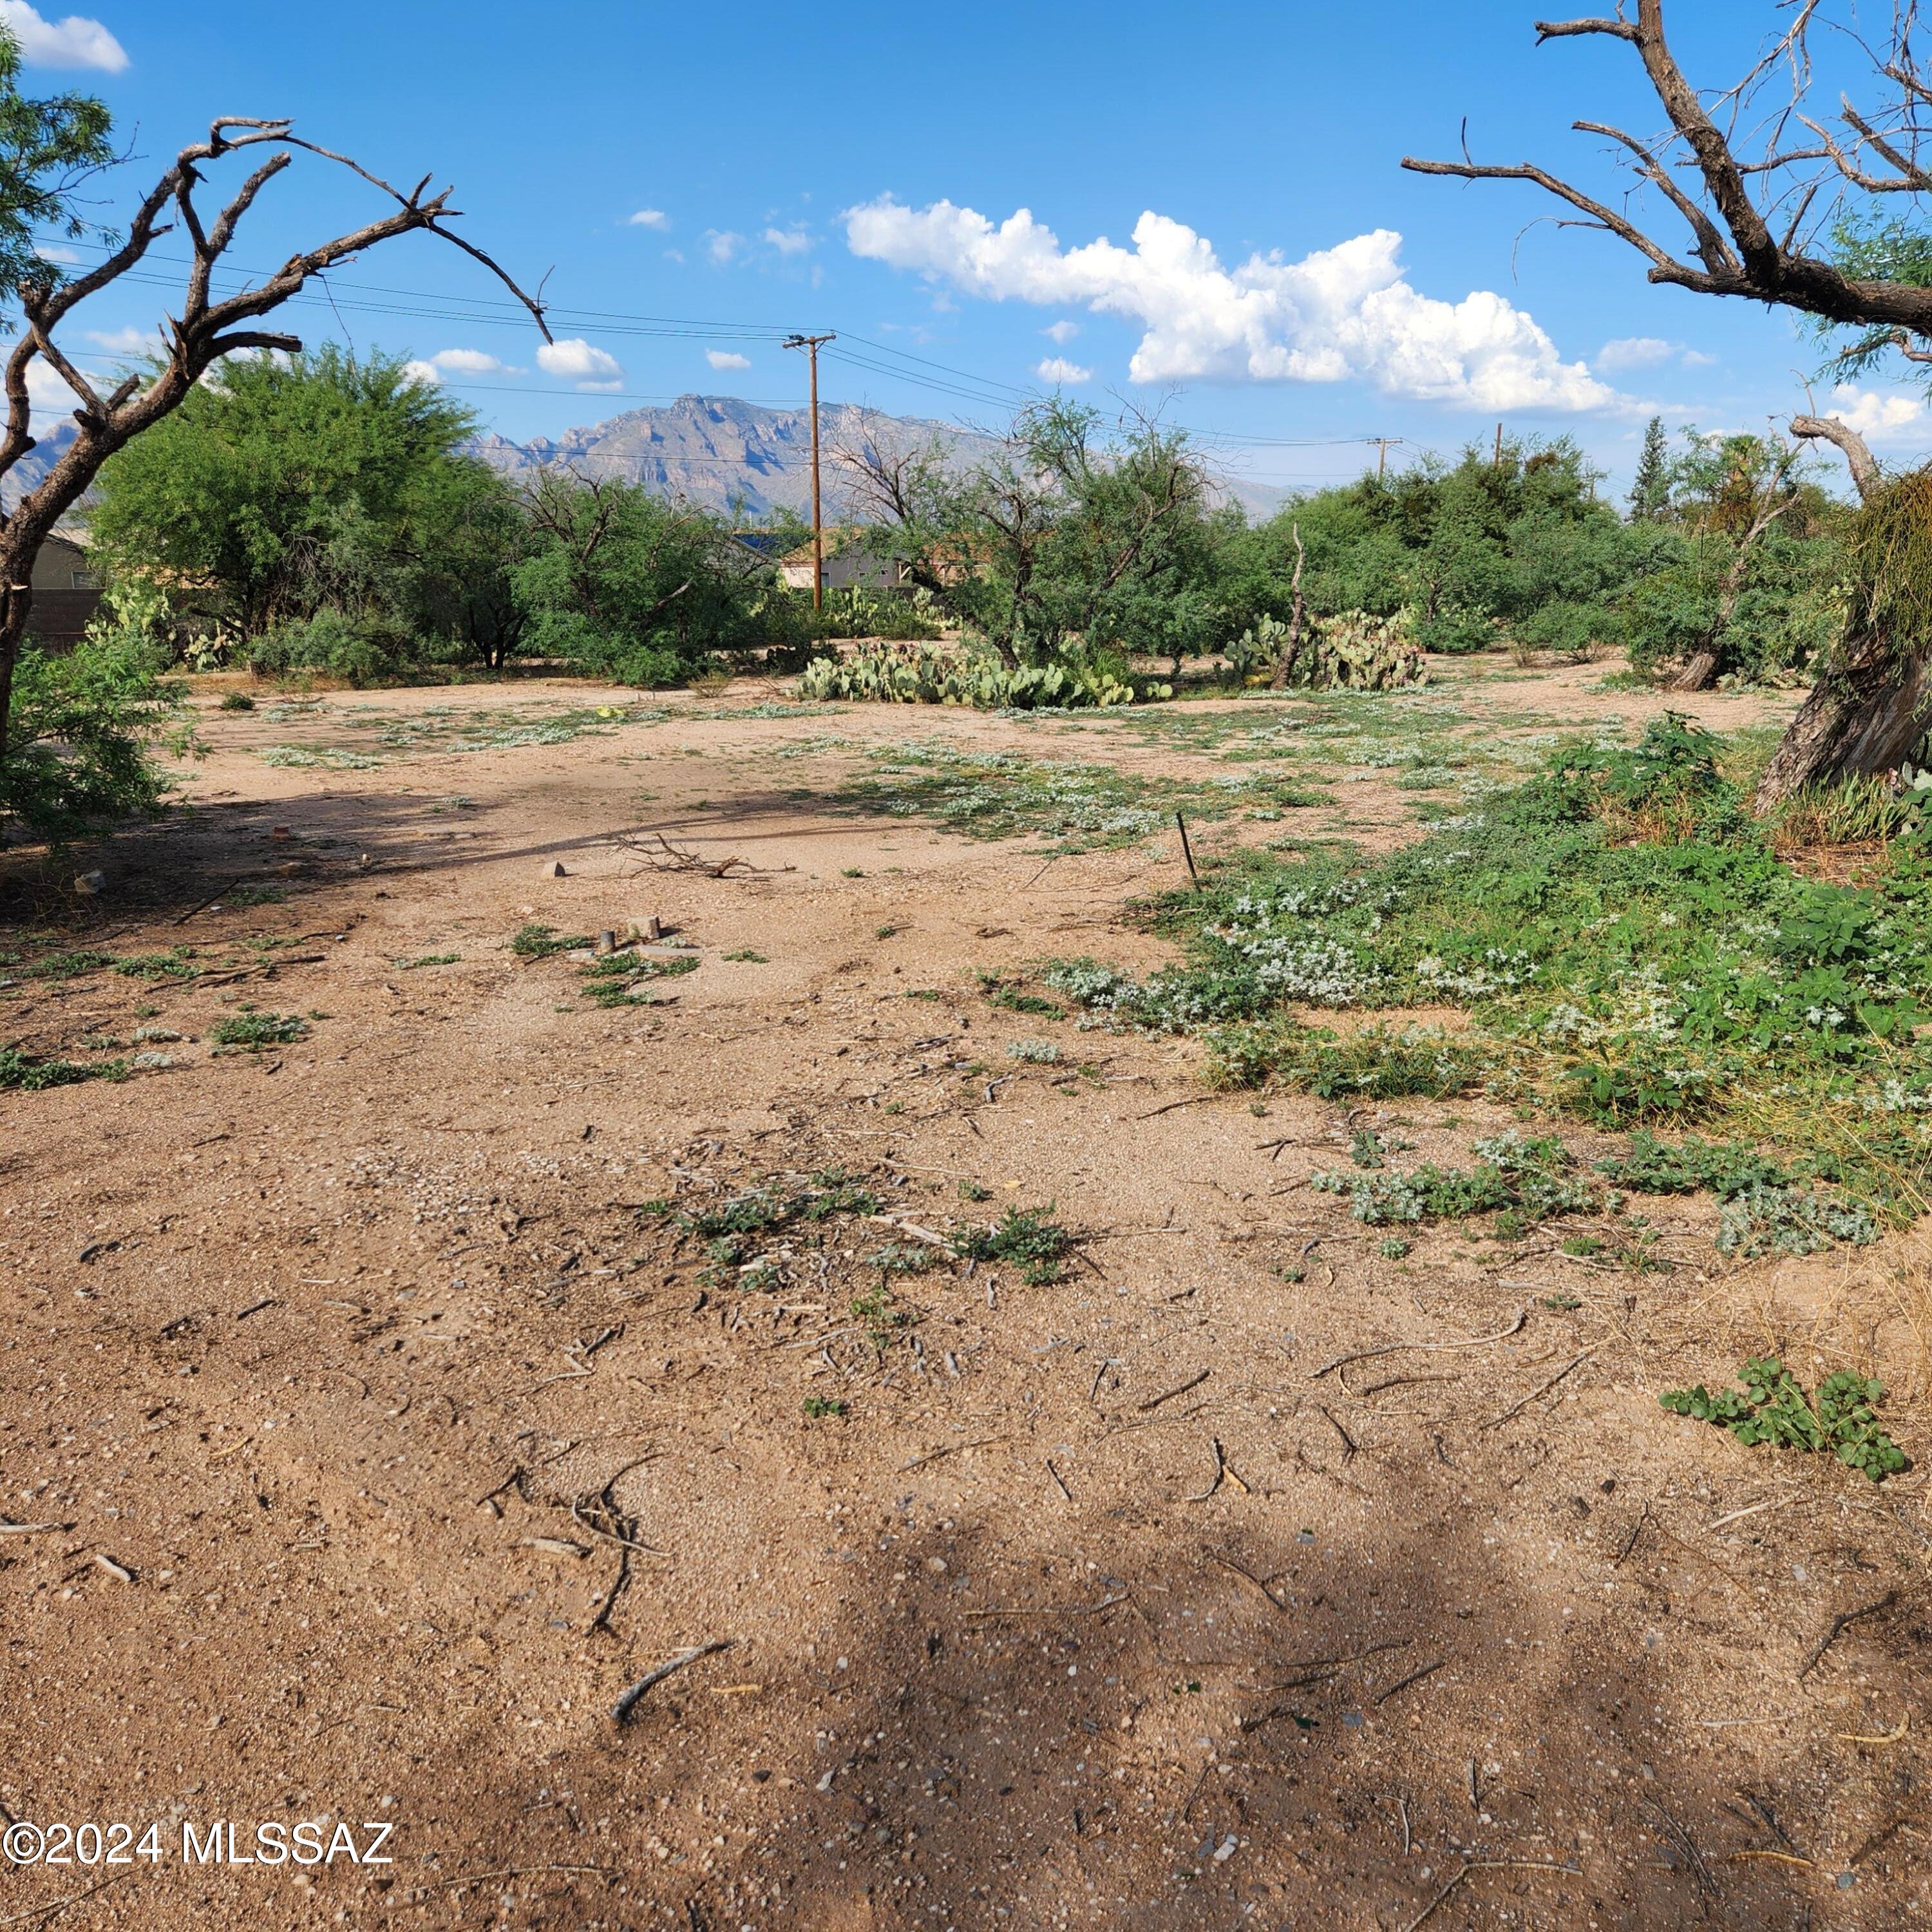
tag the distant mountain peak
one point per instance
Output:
(715, 452)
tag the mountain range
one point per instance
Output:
(714, 450)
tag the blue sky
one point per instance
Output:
(758, 169)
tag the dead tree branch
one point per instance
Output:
(206, 330)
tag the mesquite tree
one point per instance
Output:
(1789, 215)
(206, 328)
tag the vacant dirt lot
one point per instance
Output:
(365, 1431)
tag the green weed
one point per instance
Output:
(1772, 1407)
(539, 942)
(616, 979)
(824, 1408)
(177, 963)
(21, 1072)
(249, 1032)
(1022, 1235)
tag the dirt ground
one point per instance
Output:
(364, 1433)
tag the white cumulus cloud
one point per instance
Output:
(650, 217)
(579, 361)
(788, 240)
(721, 243)
(1875, 416)
(1058, 369)
(73, 42)
(463, 362)
(1062, 332)
(126, 341)
(1649, 352)
(727, 358)
(1342, 314)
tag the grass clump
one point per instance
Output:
(1528, 1179)
(540, 942)
(616, 979)
(825, 1408)
(249, 1032)
(1024, 1236)
(1772, 1407)
(21, 1072)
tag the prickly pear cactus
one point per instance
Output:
(915, 674)
(1354, 651)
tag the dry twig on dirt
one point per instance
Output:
(621, 1711)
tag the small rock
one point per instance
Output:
(155, 1032)
(554, 870)
(90, 885)
(279, 831)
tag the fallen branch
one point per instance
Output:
(1542, 1388)
(621, 1711)
(1054, 1610)
(1414, 1677)
(1839, 1624)
(664, 856)
(1428, 1911)
(1397, 1347)
(1193, 1381)
(951, 1449)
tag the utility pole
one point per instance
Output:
(810, 344)
(1383, 445)
(1499, 463)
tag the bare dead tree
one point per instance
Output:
(906, 492)
(1746, 182)
(1749, 214)
(206, 330)
(1291, 649)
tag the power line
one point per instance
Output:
(962, 385)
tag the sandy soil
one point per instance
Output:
(361, 1440)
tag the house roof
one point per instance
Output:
(766, 543)
(837, 537)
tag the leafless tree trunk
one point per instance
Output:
(1700, 672)
(1871, 708)
(1284, 665)
(205, 331)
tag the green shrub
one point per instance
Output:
(359, 650)
(82, 729)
